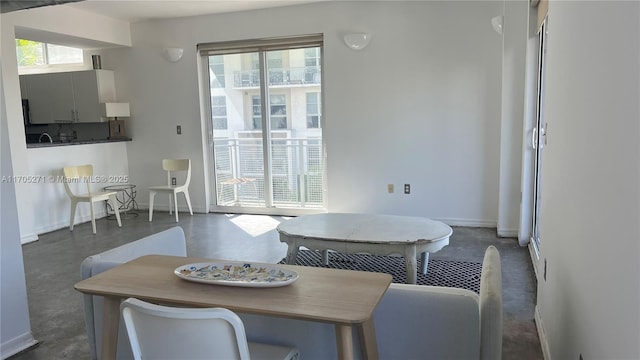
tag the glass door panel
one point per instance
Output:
(295, 119)
(267, 154)
(538, 141)
(237, 137)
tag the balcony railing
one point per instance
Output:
(297, 172)
(279, 76)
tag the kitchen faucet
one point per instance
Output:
(47, 135)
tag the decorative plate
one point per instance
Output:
(236, 274)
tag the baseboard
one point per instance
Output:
(534, 260)
(508, 233)
(165, 207)
(467, 222)
(24, 239)
(542, 335)
(65, 223)
(16, 345)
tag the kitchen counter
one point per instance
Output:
(74, 142)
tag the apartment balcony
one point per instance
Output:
(296, 76)
(296, 172)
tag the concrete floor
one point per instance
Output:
(52, 266)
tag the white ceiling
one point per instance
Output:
(140, 10)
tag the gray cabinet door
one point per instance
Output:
(68, 96)
(51, 98)
(86, 96)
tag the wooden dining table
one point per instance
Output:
(344, 298)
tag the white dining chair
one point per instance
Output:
(84, 174)
(172, 166)
(162, 332)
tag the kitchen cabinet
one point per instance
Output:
(24, 91)
(68, 97)
(90, 89)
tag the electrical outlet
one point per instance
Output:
(173, 181)
(390, 188)
(407, 188)
(179, 130)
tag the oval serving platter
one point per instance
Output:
(232, 273)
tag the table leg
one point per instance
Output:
(411, 264)
(424, 258)
(369, 342)
(292, 254)
(344, 337)
(110, 324)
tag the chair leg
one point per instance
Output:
(175, 201)
(186, 196)
(93, 218)
(152, 195)
(72, 217)
(114, 204)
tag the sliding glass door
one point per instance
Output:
(266, 127)
(538, 141)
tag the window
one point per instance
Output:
(311, 65)
(33, 53)
(256, 112)
(278, 112)
(216, 70)
(313, 110)
(277, 74)
(219, 112)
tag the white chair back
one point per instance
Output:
(170, 165)
(173, 165)
(82, 173)
(161, 332)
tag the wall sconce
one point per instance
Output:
(496, 23)
(357, 41)
(173, 54)
(113, 111)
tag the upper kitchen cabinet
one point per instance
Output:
(90, 89)
(50, 97)
(68, 96)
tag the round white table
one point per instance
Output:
(366, 233)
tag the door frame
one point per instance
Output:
(531, 168)
(208, 138)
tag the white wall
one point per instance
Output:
(424, 104)
(515, 30)
(15, 329)
(51, 203)
(60, 23)
(590, 228)
(419, 105)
